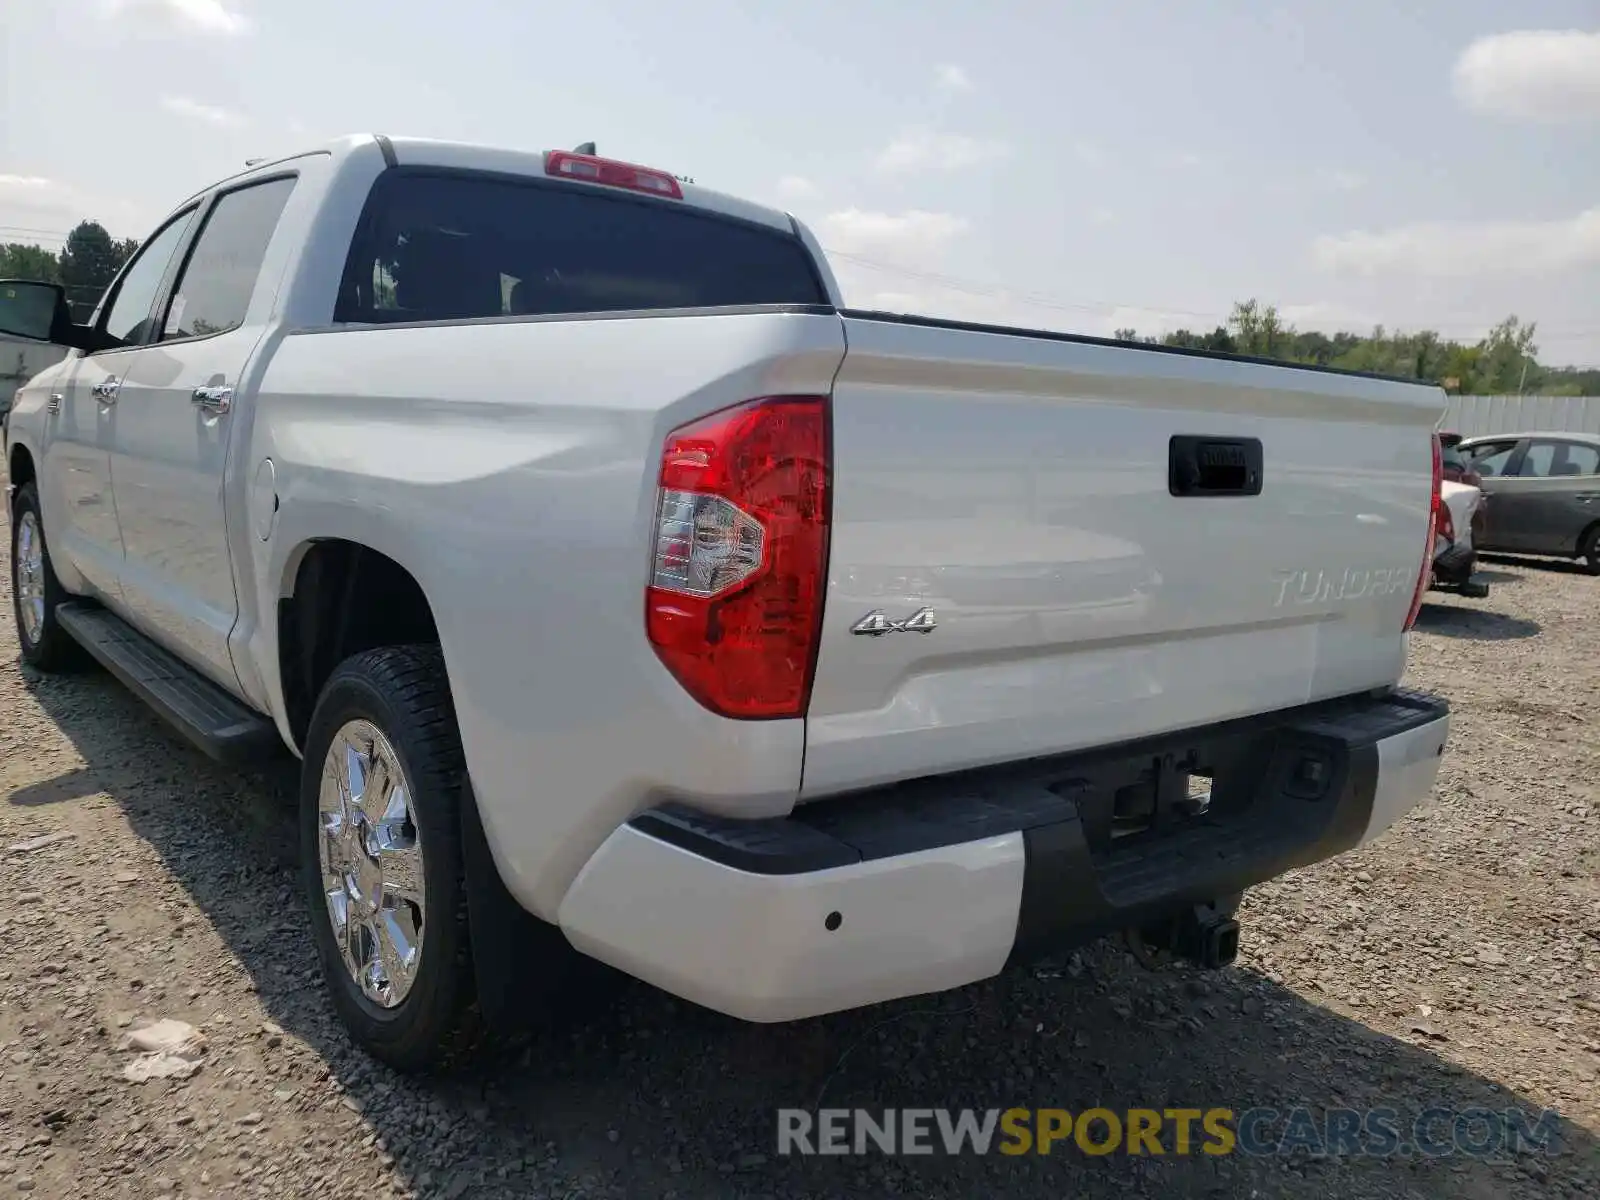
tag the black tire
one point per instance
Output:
(402, 690)
(1589, 551)
(52, 649)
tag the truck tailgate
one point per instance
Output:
(1018, 487)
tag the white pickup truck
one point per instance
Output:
(622, 591)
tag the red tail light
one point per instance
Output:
(734, 605)
(1425, 576)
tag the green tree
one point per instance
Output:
(1219, 340)
(1506, 360)
(1507, 355)
(20, 260)
(89, 263)
(1259, 330)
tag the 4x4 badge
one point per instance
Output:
(875, 624)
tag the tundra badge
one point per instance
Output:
(875, 624)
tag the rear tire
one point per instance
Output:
(1589, 550)
(381, 847)
(36, 593)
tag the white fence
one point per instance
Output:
(1472, 416)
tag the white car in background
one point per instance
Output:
(1454, 558)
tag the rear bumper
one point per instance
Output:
(941, 882)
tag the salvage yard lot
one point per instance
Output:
(1456, 963)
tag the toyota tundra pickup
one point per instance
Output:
(629, 598)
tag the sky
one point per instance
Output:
(1083, 166)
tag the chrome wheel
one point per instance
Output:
(371, 857)
(30, 576)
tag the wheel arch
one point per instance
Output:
(339, 597)
(20, 468)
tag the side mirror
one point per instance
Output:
(39, 312)
(33, 310)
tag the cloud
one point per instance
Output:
(32, 203)
(1150, 322)
(34, 208)
(892, 262)
(1103, 216)
(185, 16)
(193, 110)
(896, 262)
(1534, 75)
(797, 187)
(924, 149)
(910, 238)
(1459, 249)
(1343, 181)
(1089, 154)
(954, 79)
(1326, 315)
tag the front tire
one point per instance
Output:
(36, 593)
(1589, 552)
(381, 850)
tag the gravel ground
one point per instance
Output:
(1456, 963)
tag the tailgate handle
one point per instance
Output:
(1213, 466)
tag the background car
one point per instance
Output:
(1455, 557)
(1544, 491)
(1456, 467)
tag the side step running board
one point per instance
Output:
(202, 712)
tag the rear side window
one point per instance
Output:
(1538, 461)
(1491, 458)
(440, 247)
(213, 293)
(1579, 459)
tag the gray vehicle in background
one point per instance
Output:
(1544, 491)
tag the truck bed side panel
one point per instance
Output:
(511, 466)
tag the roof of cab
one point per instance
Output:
(429, 152)
(466, 156)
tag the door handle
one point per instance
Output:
(216, 400)
(106, 390)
